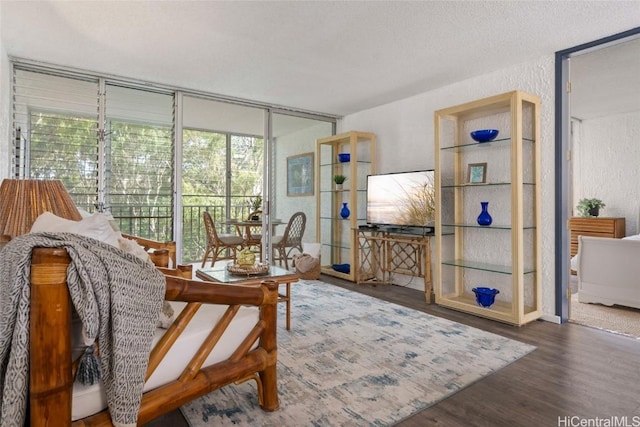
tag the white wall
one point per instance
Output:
(292, 144)
(606, 166)
(405, 133)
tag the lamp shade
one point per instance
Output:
(23, 200)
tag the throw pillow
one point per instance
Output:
(132, 247)
(112, 221)
(96, 226)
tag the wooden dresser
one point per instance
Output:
(597, 227)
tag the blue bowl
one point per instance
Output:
(344, 157)
(484, 135)
(342, 268)
(485, 297)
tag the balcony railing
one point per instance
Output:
(156, 222)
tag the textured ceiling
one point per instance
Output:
(320, 56)
(606, 82)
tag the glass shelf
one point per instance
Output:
(481, 184)
(339, 245)
(367, 162)
(494, 268)
(344, 190)
(492, 226)
(496, 143)
(339, 218)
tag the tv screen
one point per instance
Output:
(401, 199)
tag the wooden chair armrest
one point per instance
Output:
(183, 270)
(181, 289)
(162, 251)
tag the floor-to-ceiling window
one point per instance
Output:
(221, 174)
(153, 156)
(139, 160)
(222, 166)
(111, 146)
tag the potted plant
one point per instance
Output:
(255, 204)
(339, 180)
(589, 207)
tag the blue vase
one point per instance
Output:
(484, 218)
(345, 212)
(485, 297)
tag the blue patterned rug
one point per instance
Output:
(351, 359)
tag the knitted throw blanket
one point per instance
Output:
(117, 296)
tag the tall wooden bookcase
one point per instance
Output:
(506, 254)
(333, 232)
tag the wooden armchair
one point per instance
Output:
(51, 373)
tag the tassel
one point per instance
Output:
(89, 371)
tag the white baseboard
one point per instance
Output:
(551, 318)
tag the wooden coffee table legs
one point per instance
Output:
(286, 298)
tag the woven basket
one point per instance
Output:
(307, 267)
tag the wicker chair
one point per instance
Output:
(290, 240)
(218, 244)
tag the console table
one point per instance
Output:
(386, 251)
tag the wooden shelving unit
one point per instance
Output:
(506, 254)
(334, 233)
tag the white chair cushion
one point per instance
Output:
(87, 400)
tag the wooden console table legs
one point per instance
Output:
(381, 254)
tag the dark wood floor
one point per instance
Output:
(575, 371)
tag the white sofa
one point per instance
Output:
(609, 271)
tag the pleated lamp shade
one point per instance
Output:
(23, 200)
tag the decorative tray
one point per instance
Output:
(248, 270)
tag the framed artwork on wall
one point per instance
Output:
(300, 175)
(477, 173)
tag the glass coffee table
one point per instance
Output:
(220, 274)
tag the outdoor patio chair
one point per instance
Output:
(219, 246)
(291, 239)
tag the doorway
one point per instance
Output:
(570, 104)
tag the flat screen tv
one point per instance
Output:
(401, 199)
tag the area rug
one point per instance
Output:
(616, 319)
(350, 359)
